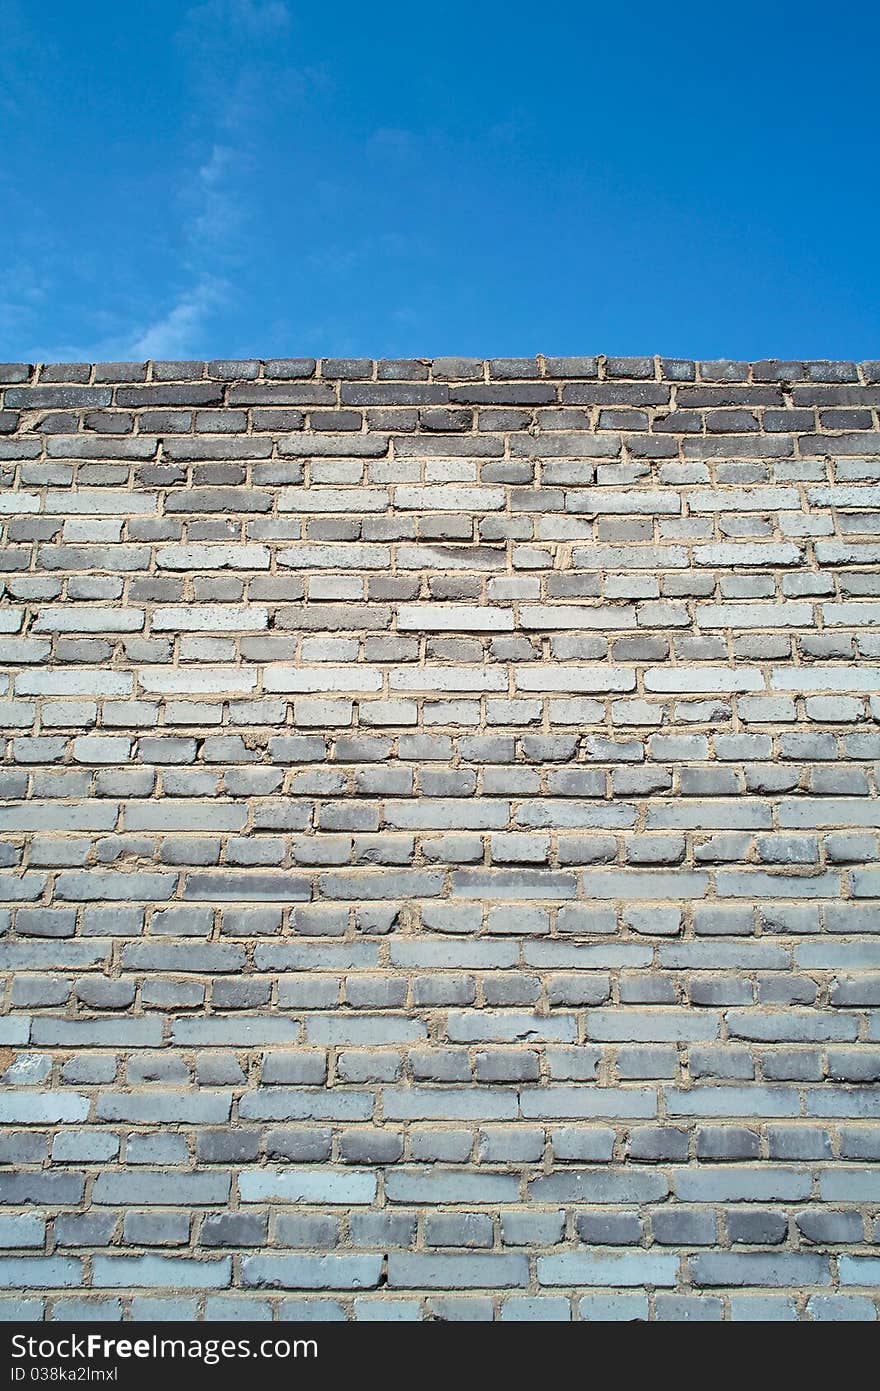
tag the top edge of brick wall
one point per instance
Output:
(599, 368)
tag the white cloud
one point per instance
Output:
(236, 57)
(178, 333)
(219, 37)
(216, 207)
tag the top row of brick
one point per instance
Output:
(443, 369)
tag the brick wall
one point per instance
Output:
(439, 839)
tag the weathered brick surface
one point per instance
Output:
(439, 850)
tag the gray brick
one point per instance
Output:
(608, 1268)
(311, 1272)
(316, 1185)
(439, 1271)
(151, 1272)
(40, 1272)
(159, 1188)
(623, 1308)
(758, 1268)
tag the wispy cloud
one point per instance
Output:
(213, 215)
(235, 54)
(218, 213)
(219, 39)
(176, 332)
(240, 82)
(241, 76)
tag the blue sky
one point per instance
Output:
(271, 178)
